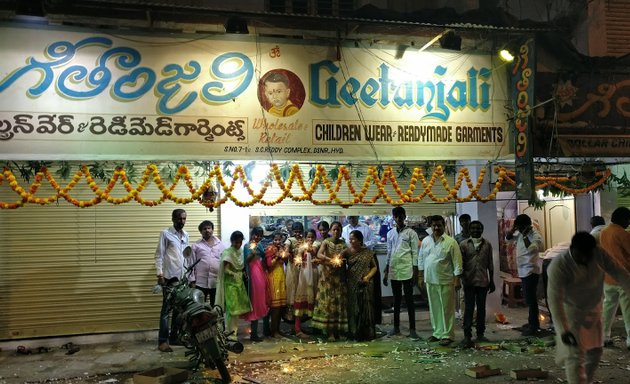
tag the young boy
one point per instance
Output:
(477, 280)
(277, 91)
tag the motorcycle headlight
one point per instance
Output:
(198, 296)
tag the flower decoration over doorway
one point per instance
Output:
(372, 187)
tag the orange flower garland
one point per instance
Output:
(555, 181)
(151, 173)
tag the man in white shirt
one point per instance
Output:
(355, 225)
(402, 268)
(169, 263)
(440, 267)
(597, 224)
(576, 280)
(529, 243)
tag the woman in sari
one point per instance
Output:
(361, 271)
(329, 314)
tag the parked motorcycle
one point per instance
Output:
(201, 326)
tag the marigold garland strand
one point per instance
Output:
(151, 173)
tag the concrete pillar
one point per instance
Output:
(606, 202)
(584, 210)
(233, 218)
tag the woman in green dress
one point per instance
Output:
(361, 271)
(329, 314)
(231, 292)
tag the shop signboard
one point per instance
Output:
(77, 95)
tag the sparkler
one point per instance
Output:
(252, 246)
(297, 260)
(336, 261)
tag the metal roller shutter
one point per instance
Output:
(68, 270)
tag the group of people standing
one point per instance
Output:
(334, 281)
(441, 264)
(331, 281)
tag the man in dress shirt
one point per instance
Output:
(477, 281)
(169, 263)
(529, 243)
(402, 268)
(355, 225)
(208, 251)
(616, 242)
(440, 268)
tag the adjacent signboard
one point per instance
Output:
(589, 116)
(74, 95)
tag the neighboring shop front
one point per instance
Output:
(77, 265)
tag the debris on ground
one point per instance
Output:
(527, 374)
(482, 371)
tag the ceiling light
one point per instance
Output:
(506, 55)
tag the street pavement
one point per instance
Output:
(52, 359)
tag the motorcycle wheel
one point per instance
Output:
(223, 371)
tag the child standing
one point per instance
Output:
(256, 282)
(276, 280)
(292, 247)
(231, 293)
(304, 296)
